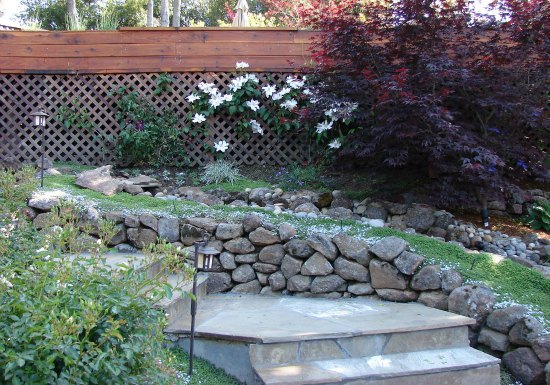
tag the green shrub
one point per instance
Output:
(298, 177)
(16, 187)
(220, 171)
(539, 216)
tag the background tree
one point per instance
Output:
(442, 92)
(150, 7)
(52, 14)
(176, 14)
(164, 13)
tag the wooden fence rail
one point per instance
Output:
(58, 70)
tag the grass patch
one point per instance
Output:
(70, 167)
(240, 185)
(509, 280)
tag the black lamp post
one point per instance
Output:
(39, 120)
(204, 258)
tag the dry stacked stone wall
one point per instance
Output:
(260, 258)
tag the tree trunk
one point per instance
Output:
(72, 14)
(150, 6)
(176, 18)
(164, 19)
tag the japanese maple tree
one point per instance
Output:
(461, 95)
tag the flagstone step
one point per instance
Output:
(452, 366)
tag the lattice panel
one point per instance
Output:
(22, 94)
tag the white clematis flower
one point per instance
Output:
(256, 128)
(215, 100)
(191, 98)
(290, 104)
(335, 144)
(198, 118)
(269, 90)
(221, 146)
(241, 64)
(324, 126)
(254, 105)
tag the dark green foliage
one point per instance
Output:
(297, 177)
(539, 216)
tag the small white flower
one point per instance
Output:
(206, 87)
(227, 97)
(221, 146)
(294, 82)
(215, 100)
(199, 118)
(191, 98)
(269, 90)
(306, 92)
(5, 282)
(290, 104)
(335, 144)
(254, 105)
(285, 91)
(237, 83)
(256, 128)
(324, 126)
(252, 77)
(277, 96)
(330, 113)
(241, 64)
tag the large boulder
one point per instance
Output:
(273, 254)
(299, 283)
(360, 288)
(351, 271)
(277, 281)
(323, 244)
(420, 218)
(525, 366)
(525, 331)
(385, 276)
(208, 224)
(450, 280)
(243, 273)
(435, 299)
(541, 346)
(307, 208)
(353, 248)
(239, 246)
(496, 341)
(263, 237)
(286, 231)
(252, 287)
(141, 237)
(503, 319)
(389, 248)
(46, 200)
(428, 278)
(397, 295)
(291, 266)
(226, 231)
(99, 180)
(298, 248)
(472, 301)
(149, 220)
(327, 284)
(190, 234)
(218, 282)
(169, 229)
(251, 222)
(407, 262)
(317, 264)
(227, 260)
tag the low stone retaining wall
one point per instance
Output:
(259, 258)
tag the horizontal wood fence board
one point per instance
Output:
(153, 50)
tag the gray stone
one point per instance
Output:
(131, 221)
(115, 216)
(450, 280)
(190, 234)
(389, 248)
(265, 268)
(435, 299)
(290, 266)
(243, 273)
(541, 347)
(207, 224)
(437, 232)
(327, 284)
(352, 248)
(525, 331)
(376, 210)
(257, 195)
(144, 180)
(547, 373)
(132, 188)
(299, 201)
(420, 218)
(298, 248)
(525, 366)
(322, 199)
(407, 262)
(141, 237)
(502, 320)
(125, 248)
(397, 295)
(169, 229)
(239, 246)
(428, 278)
(149, 221)
(385, 276)
(307, 208)
(227, 260)
(493, 339)
(262, 278)
(84, 243)
(341, 202)
(226, 231)
(246, 258)
(272, 254)
(43, 220)
(286, 231)
(45, 202)
(298, 283)
(317, 264)
(119, 237)
(263, 237)
(351, 271)
(324, 245)
(99, 180)
(360, 288)
(397, 208)
(341, 213)
(218, 282)
(444, 220)
(251, 222)
(277, 281)
(252, 287)
(472, 301)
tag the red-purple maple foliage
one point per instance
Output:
(441, 88)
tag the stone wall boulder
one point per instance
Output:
(389, 248)
(99, 180)
(386, 276)
(472, 301)
(353, 248)
(317, 264)
(524, 364)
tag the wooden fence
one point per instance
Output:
(57, 70)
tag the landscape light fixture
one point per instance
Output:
(39, 120)
(204, 258)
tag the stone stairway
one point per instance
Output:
(291, 341)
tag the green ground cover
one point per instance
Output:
(511, 281)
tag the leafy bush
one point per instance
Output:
(439, 88)
(147, 137)
(296, 177)
(15, 187)
(539, 216)
(220, 171)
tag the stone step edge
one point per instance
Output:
(334, 371)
